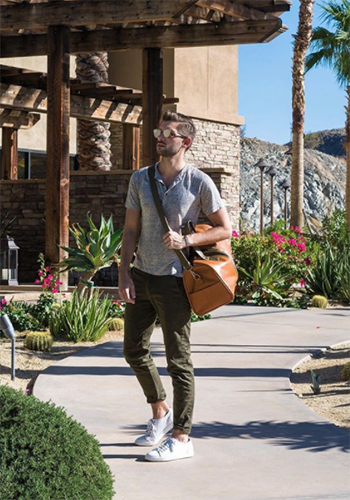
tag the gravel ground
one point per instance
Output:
(333, 402)
(30, 363)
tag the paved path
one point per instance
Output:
(253, 438)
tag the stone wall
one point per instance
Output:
(94, 192)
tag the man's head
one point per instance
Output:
(175, 132)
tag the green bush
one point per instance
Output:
(83, 318)
(345, 372)
(21, 315)
(46, 455)
(44, 308)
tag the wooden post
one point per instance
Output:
(9, 153)
(131, 147)
(57, 169)
(152, 101)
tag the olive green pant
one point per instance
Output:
(165, 297)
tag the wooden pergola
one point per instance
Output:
(63, 27)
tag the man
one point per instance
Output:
(153, 287)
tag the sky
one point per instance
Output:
(265, 87)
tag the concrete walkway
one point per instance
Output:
(253, 438)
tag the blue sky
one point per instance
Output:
(265, 88)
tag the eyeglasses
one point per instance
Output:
(157, 132)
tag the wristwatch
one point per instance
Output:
(188, 244)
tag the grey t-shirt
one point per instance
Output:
(191, 191)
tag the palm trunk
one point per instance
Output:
(347, 148)
(301, 44)
(94, 148)
(86, 281)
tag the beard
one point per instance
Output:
(167, 151)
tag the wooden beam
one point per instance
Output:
(9, 154)
(131, 147)
(57, 163)
(234, 10)
(26, 99)
(42, 15)
(152, 102)
(199, 35)
(18, 119)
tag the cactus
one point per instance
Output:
(316, 389)
(319, 301)
(116, 324)
(345, 372)
(38, 341)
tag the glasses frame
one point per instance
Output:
(167, 133)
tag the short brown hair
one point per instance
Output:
(186, 126)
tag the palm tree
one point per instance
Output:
(301, 44)
(94, 148)
(332, 48)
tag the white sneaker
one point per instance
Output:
(171, 449)
(157, 428)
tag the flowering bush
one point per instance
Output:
(285, 251)
(20, 314)
(48, 280)
(116, 309)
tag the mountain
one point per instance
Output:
(330, 142)
(324, 182)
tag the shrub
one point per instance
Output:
(46, 455)
(116, 309)
(38, 341)
(319, 301)
(345, 372)
(83, 318)
(116, 324)
(20, 314)
(44, 308)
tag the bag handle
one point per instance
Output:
(151, 172)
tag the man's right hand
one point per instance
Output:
(126, 288)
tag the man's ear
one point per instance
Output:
(187, 142)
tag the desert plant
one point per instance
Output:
(47, 455)
(323, 277)
(116, 324)
(20, 314)
(97, 248)
(319, 301)
(315, 387)
(83, 318)
(345, 372)
(44, 308)
(266, 277)
(38, 341)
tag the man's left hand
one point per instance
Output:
(174, 240)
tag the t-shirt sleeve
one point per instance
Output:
(211, 200)
(133, 199)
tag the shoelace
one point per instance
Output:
(150, 429)
(169, 443)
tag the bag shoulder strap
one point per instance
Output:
(151, 172)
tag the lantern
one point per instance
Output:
(8, 261)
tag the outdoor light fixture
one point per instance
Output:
(272, 172)
(7, 327)
(262, 165)
(285, 185)
(8, 261)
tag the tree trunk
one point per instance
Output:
(94, 148)
(301, 44)
(347, 148)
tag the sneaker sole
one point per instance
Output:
(167, 429)
(159, 459)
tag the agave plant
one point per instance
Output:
(97, 248)
(267, 277)
(323, 278)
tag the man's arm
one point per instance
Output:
(130, 237)
(221, 231)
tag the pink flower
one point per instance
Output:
(297, 229)
(54, 290)
(292, 241)
(4, 302)
(47, 269)
(235, 234)
(41, 273)
(302, 282)
(301, 247)
(50, 277)
(43, 285)
(307, 261)
(37, 282)
(58, 283)
(0, 308)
